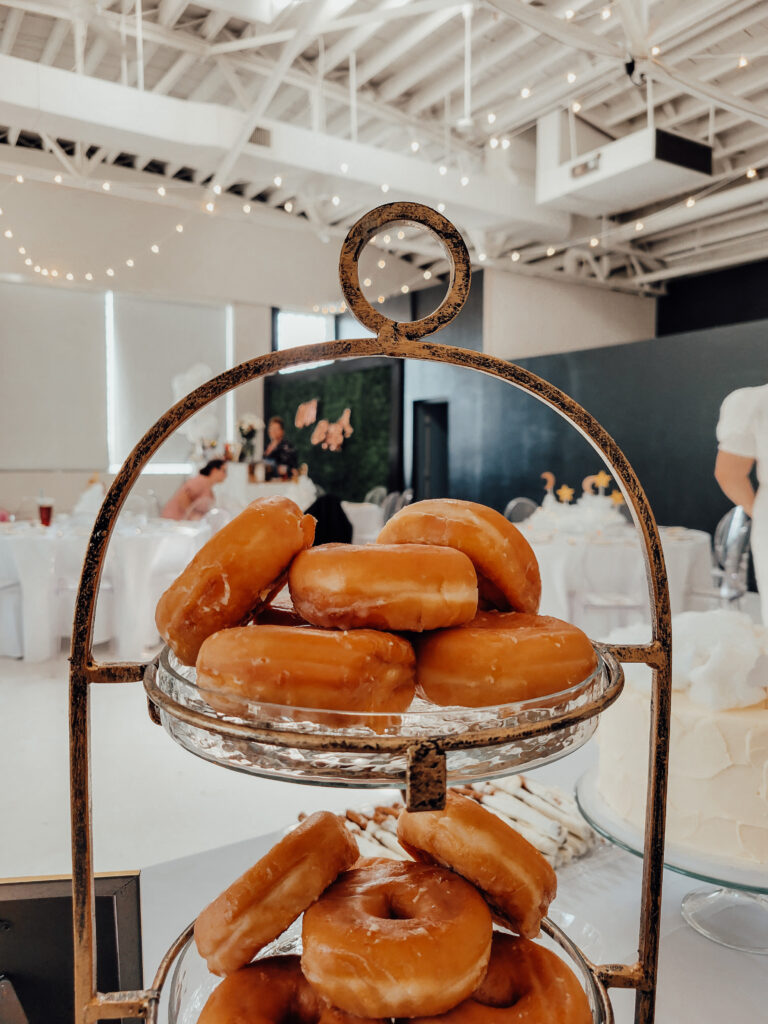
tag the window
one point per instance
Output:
(293, 329)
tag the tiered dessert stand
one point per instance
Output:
(420, 750)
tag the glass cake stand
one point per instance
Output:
(339, 748)
(735, 913)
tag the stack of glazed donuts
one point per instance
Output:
(444, 605)
(386, 938)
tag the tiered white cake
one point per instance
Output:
(717, 803)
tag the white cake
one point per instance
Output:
(717, 803)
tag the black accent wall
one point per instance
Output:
(659, 399)
(732, 296)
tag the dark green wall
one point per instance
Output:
(371, 389)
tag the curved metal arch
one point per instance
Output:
(399, 341)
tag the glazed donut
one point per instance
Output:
(355, 670)
(263, 902)
(501, 658)
(393, 938)
(271, 991)
(507, 570)
(408, 587)
(236, 572)
(513, 876)
(525, 984)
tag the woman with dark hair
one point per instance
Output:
(280, 453)
(195, 497)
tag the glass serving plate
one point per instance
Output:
(735, 914)
(370, 749)
(192, 984)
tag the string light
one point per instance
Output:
(690, 201)
(161, 190)
(210, 207)
(180, 229)
(655, 51)
(106, 186)
(405, 289)
(427, 275)
(551, 251)
(751, 172)
(336, 200)
(217, 190)
(525, 92)
(743, 62)
(505, 143)
(289, 207)
(576, 106)
(605, 13)
(88, 276)
(441, 207)
(44, 272)
(571, 77)
(464, 180)
(594, 242)
(367, 282)
(344, 168)
(37, 269)
(54, 273)
(415, 146)
(129, 263)
(110, 272)
(28, 261)
(20, 179)
(482, 257)
(381, 264)
(315, 309)
(493, 142)
(58, 179)
(491, 118)
(387, 239)
(22, 251)
(569, 14)
(70, 277)
(639, 225)
(381, 299)
(277, 180)
(401, 235)
(385, 188)
(442, 169)
(155, 249)
(515, 256)
(8, 233)
(246, 207)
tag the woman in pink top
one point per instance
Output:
(194, 498)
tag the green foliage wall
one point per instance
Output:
(364, 460)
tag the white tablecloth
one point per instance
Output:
(366, 518)
(236, 491)
(142, 559)
(597, 580)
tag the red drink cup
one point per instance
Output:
(45, 510)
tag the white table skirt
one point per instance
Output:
(598, 580)
(142, 559)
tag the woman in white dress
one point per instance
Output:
(742, 436)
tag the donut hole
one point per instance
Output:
(395, 908)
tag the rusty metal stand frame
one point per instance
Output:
(425, 773)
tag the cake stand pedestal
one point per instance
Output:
(734, 914)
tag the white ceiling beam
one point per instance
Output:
(313, 16)
(352, 42)
(95, 56)
(206, 88)
(13, 136)
(635, 22)
(367, 19)
(733, 258)
(169, 11)
(213, 24)
(11, 28)
(54, 42)
(230, 76)
(563, 31)
(53, 147)
(660, 72)
(403, 44)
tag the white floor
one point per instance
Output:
(152, 801)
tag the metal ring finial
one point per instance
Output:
(362, 232)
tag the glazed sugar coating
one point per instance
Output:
(394, 938)
(410, 587)
(236, 572)
(513, 876)
(504, 560)
(271, 991)
(354, 670)
(264, 901)
(502, 658)
(525, 984)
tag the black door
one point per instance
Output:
(430, 450)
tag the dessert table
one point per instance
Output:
(144, 556)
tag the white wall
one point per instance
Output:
(532, 316)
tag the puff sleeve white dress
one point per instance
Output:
(743, 430)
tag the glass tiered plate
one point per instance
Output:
(191, 982)
(354, 749)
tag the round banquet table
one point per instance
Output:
(237, 491)
(143, 557)
(596, 579)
